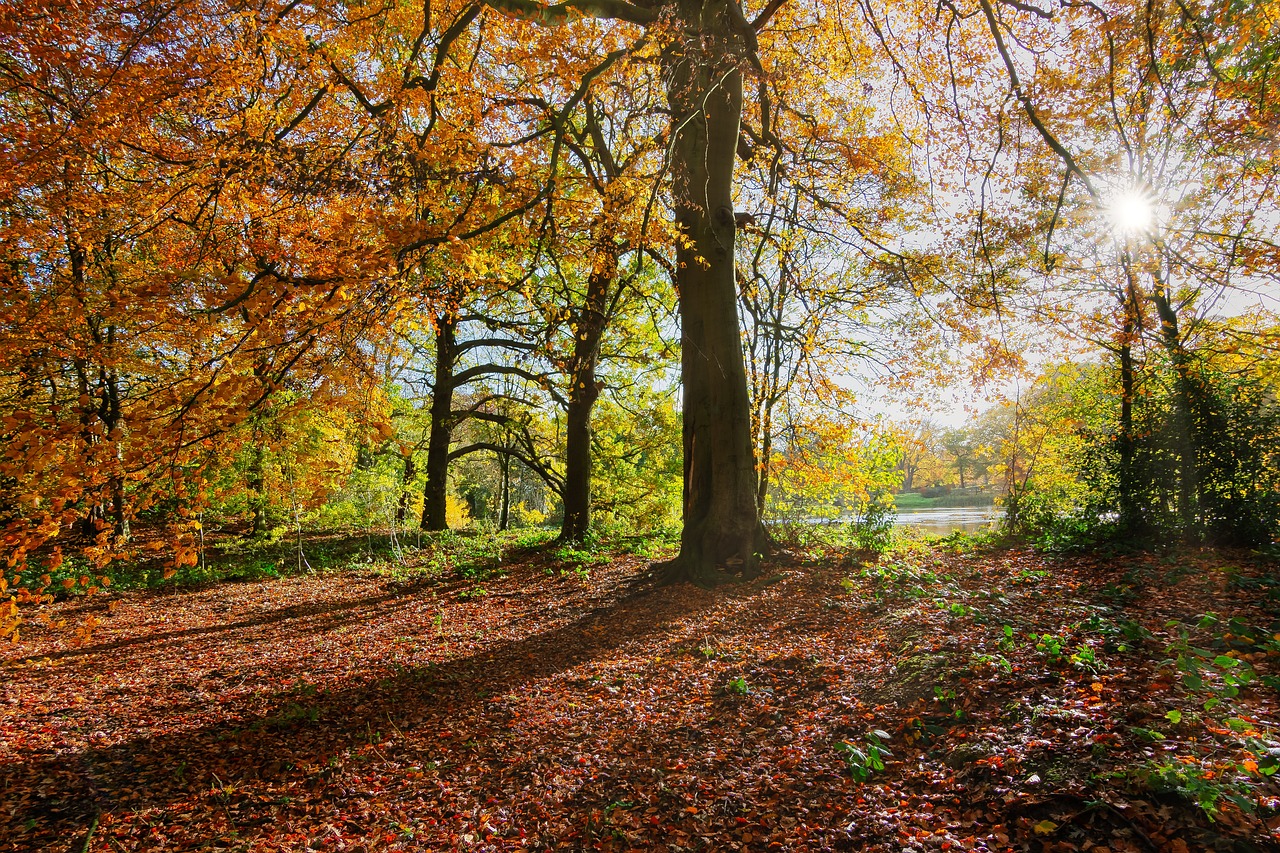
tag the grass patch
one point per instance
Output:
(914, 501)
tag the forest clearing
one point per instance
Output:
(950, 697)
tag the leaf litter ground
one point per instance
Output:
(1023, 703)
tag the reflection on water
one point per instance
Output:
(940, 522)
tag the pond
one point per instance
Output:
(940, 522)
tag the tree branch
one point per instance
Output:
(766, 14)
(562, 13)
(1016, 83)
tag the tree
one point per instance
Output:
(706, 47)
(490, 337)
(599, 249)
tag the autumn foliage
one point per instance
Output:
(289, 286)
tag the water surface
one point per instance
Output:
(941, 521)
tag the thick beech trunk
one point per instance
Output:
(584, 390)
(435, 492)
(722, 530)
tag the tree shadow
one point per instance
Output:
(297, 734)
(280, 615)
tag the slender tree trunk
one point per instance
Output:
(1128, 484)
(766, 456)
(256, 483)
(406, 480)
(1128, 476)
(722, 529)
(435, 492)
(769, 390)
(95, 513)
(504, 509)
(93, 521)
(584, 390)
(1184, 396)
(113, 422)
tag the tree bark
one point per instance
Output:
(255, 483)
(584, 391)
(504, 508)
(435, 492)
(1184, 398)
(113, 423)
(722, 530)
(1127, 477)
(908, 475)
(406, 480)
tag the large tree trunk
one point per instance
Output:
(435, 492)
(722, 530)
(584, 391)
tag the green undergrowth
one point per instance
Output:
(237, 559)
(407, 555)
(1175, 708)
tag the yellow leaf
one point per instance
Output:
(1045, 827)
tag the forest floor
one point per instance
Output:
(939, 698)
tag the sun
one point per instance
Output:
(1131, 213)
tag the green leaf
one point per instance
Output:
(1245, 804)
(1174, 717)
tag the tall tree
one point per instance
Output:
(705, 47)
